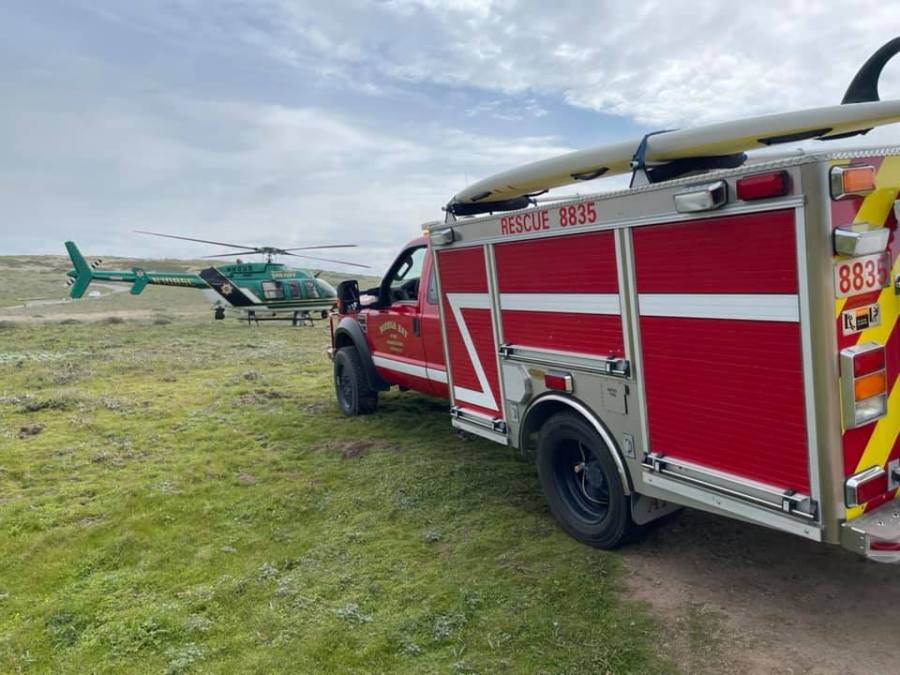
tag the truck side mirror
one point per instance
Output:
(348, 295)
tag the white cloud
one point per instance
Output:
(95, 147)
(657, 62)
(270, 174)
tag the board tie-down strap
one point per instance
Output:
(642, 174)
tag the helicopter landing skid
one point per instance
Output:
(302, 318)
(299, 318)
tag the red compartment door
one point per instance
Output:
(471, 343)
(561, 294)
(722, 355)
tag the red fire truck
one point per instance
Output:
(722, 335)
(729, 345)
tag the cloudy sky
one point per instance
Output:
(290, 122)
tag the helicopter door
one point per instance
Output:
(310, 290)
(395, 329)
(272, 290)
(294, 287)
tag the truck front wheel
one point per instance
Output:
(354, 395)
(582, 484)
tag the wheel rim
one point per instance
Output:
(344, 385)
(581, 481)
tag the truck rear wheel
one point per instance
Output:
(354, 395)
(582, 484)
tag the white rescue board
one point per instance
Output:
(724, 138)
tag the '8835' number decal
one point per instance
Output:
(862, 275)
(577, 214)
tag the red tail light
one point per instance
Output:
(868, 362)
(558, 381)
(882, 550)
(879, 545)
(764, 186)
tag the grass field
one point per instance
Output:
(185, 497)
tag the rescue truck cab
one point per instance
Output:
(726, 342)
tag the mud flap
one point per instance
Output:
(646, 509)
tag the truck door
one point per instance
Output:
(432, 342)
(395, 328)
(471, 341)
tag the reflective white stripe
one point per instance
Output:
(737, 306)
(410, 369)
(580, 303)
(469, 300)
(250, 294)
(458, 302)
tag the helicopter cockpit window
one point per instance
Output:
(272, 290)
(404, 282)
(309, 286)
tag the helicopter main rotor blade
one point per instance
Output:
(308, 248)
(202, 241)
(228, 255)
(340, 262)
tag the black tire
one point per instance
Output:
(354, 395)
(582, 484)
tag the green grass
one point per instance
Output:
(193, 501)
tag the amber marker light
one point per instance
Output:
(852, 181)
(869, 386)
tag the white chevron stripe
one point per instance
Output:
(458, 302)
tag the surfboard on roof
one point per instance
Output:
(668, 154)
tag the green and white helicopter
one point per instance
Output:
(256, 291)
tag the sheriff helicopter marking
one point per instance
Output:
(257, 291)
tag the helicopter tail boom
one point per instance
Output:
(82, 275)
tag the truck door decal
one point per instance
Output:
(458, 302)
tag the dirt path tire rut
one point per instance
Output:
(738, 598)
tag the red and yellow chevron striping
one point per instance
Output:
(875, 444)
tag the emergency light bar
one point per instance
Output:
(863, 384)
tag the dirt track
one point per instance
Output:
(739, 598)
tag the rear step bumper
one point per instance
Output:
(876, 534)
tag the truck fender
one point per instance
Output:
(349, 332)
(544, 406)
